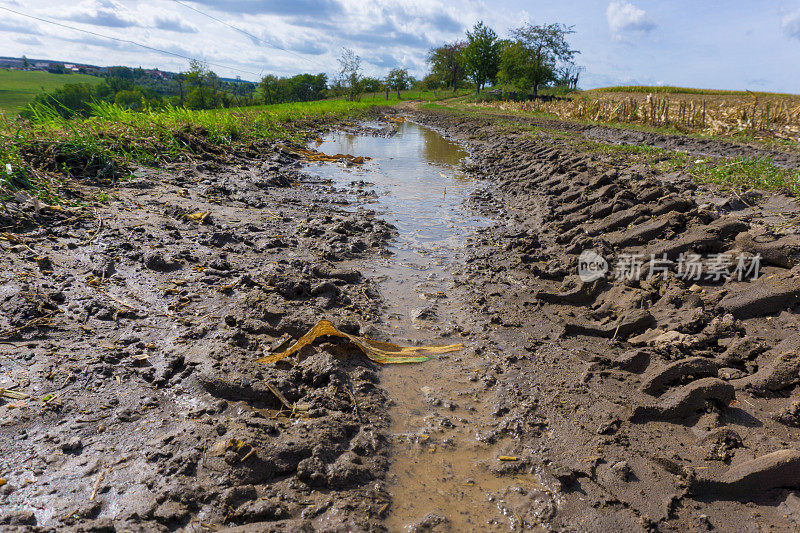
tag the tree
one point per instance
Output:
(180, 78)
(398, 80)
(538, 55)
(482, 55)
(447, 64)
(350, 75)
(372, 85)
(268, 85)
(432, 82)
(203, 80)
(73, 99)
(25, 63)
(58, 68)
(119, 72)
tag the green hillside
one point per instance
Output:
(18, 87)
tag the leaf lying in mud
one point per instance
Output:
(380, 352)
(396, 120)
(199, 217)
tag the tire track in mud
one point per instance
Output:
(669, 402)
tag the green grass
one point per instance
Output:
(745, 173)
(18, 87)
(678, 90)
(101, 148)
(739, 173)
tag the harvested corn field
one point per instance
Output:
(760, 115)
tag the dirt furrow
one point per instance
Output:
(666, 402)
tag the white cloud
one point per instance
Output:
(790, 23)
(106, 13)
(625, 18)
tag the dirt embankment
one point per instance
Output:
(660, 402)
(134, 327)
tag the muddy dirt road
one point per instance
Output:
(130, 333)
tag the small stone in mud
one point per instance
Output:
(423, 313)
(432, 522)
(729, 374)
(789, 415)
(18, 518)
(73, 445)
(623, 470)
(160, 263)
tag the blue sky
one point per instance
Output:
(735, 44)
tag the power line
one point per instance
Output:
(187, 6)
(125, 41)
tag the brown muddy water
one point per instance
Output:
(439, 460)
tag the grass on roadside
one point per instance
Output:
(739, 173)
(745, 173)
(38, 155)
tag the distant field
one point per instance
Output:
(19, 87)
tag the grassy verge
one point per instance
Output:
(745, 173)
(41, 154)
(739, 173)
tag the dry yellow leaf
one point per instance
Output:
(198, 217)
(380, 352)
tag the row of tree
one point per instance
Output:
(351, 84)
(532, 57)
(300, 88)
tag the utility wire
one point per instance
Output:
(187, 6)
(125, 41)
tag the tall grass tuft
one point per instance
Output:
(101, 147)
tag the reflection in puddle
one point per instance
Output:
(439, 467)
(420, 190)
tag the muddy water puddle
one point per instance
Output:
(440, 459)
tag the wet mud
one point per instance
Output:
(663, 403)
(132, 331)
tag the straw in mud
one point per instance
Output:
(379, 352)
